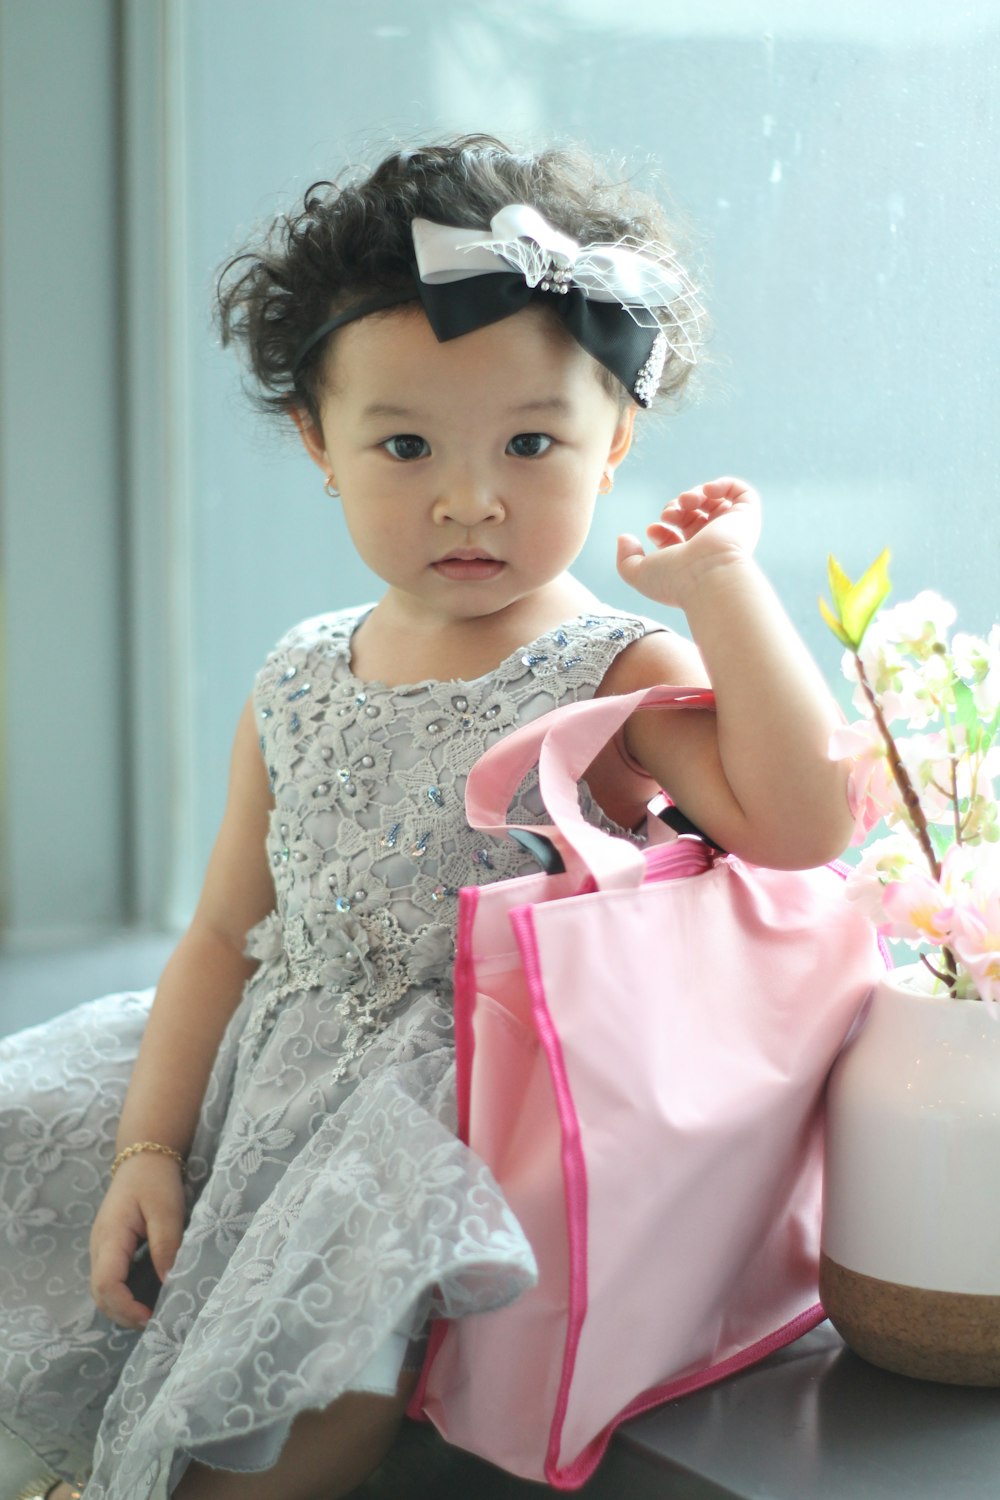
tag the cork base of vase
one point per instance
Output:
(910, 1268)
(953, 1337)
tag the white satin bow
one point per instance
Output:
(639, 279)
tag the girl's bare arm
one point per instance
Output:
(199, 989)
(756, 775)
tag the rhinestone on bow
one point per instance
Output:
(557, 276)
(647, 382)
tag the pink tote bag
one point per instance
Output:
(642, 1046)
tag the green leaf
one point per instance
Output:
(966, 712)
(989, 732)
(859, 607)
(835, 625)
(942, 837)
(855, 604)
(840, 584)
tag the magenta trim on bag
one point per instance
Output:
(580, 1470)
(415, 1405)
(464, 1002)
(574, 1174)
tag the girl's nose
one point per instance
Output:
(466, 500)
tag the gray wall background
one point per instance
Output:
(839, 166)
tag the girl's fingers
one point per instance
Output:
(727, 502)
(146, 1204)
(663, 534)
(728, 485)
(111, 1265)
(629, 546)
(163, 1233)
(727, 488)
(694, 509)
(700, 505)
(631, 555)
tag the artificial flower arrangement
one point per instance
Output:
(934, 880)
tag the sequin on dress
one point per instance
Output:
(332, 1208)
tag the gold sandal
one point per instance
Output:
(42, 1487)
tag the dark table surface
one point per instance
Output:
(812, 1422)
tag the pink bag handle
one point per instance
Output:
(563, 743)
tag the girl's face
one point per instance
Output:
(468, 470)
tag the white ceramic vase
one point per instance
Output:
(910, 1265)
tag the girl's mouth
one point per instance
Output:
(469, 569)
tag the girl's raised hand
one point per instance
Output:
(145, 1203)
(715, 523)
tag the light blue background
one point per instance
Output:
(838, 167)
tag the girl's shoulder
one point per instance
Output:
(326, 633)
(607, 631)
(578, 651)
(321, 638)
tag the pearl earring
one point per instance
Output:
(607, 483)
(331, 488)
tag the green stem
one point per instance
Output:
(911, 802)
(948, 979)
(900, 775)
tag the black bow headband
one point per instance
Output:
(629, 308)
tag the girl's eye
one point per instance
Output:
(529, 445)
(406, 445)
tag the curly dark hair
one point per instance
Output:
(352, 241)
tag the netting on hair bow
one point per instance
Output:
(469, 279)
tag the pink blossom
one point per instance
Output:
(976, 942)
(917, 909)
(871, 791)
(885, 861)
(916, 677)
(976, 927)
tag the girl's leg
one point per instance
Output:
(327, 1455)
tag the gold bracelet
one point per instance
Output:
(149, 1146)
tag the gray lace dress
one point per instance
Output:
(332, 1209)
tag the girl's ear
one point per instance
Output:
(312, 438)
(621, 442)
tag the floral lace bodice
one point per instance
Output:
(368, 841)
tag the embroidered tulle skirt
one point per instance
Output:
(330, 1216)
